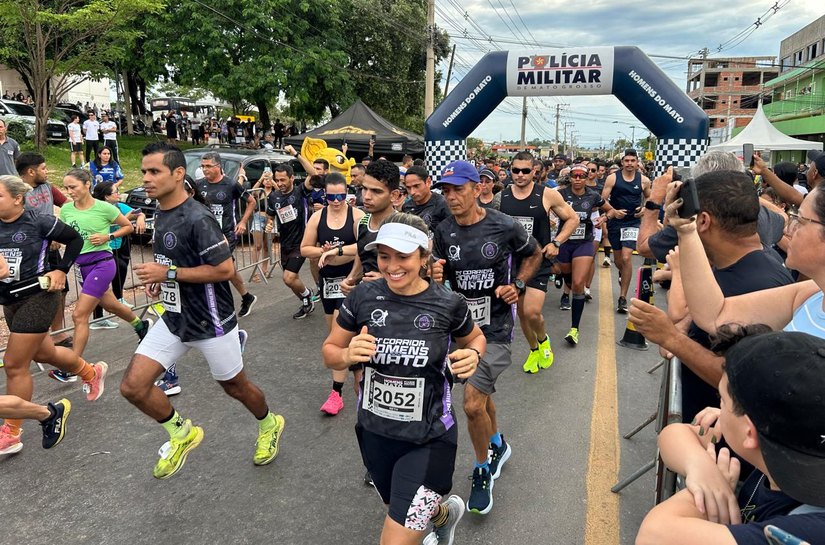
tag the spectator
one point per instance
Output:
(278, 129)
(197, 135)
(171, 127)
(772, 414)
(91, 132)
(75, 140)
(105, 169)
(9, 152)
(108, 129)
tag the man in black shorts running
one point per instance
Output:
(191, 273)
(473, 249)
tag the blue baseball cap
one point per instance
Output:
(458, 173)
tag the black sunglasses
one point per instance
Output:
(521, 170)
(593, 170)
(332, 197)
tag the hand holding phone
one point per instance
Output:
(690, 199)
(747, 154)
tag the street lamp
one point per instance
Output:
(632, 133)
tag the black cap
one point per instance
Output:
(559, 156)
(819, 162)
(631, 152)
(779, 380)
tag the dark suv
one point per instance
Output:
(253, 161)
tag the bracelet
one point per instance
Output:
(476, 351)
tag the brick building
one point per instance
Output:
(728, 89)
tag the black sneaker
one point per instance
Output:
(62, 376)
(368, 479)
(306, 309)
(558, 281)
(55, 425)
(564, 304)
(481, 493)
(587, 296)
(621, 306)
(499, 455)
(247, 302)
(145, 325)
(316, 295)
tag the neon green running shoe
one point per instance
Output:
(266, 448)
(173, 454)
(531, 365)
(545, 353)
(572, 336)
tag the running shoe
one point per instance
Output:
(68, 342)
(499, 455)
(247, 302)
(531, 364)
(587, 296)
(169, 384)
(558, 281)
(156, 309)
(606, 262)
(9, 443)
(243, 336)
(306, 309)
(266, 448)
(147, 324)
(55, 425)
(564, 304)
(103, 324)
(545, 353)
(481, 493)
(621, 306)
(444, 534)
(62, 376)
(94, 388)
(572, 336)
(173, 454)
(316, 296)
(123, 302)
(368, 479)
(333, 404)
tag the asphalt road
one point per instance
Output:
(96, 487)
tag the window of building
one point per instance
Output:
(751, 78)
(811, 52)
(798, 57)
(749, 102)
(785, 64)
(711, 80)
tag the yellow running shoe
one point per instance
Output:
(545, 353)
(266, 448)
(173, 454)
(531, 365)
(572, 336)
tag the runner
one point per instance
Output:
(192, 268)
(30, 294)
(288, 206)
(486, 198)
(429, 206)
(596, 182)
(473, 249)
(223, 196)
(52, 417)
(328, 235)
(530, 205)
(96, 265)
(624, 190)
(399, 328)
(576, 254)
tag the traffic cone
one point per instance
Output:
(644, 291)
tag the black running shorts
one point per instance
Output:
(34, 314)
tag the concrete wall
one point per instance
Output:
(93, 92)
(812, 33)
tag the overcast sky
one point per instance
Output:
(666, 27)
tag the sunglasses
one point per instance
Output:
(521, 170)
(593, 170)
(578, 177)
(333, 197)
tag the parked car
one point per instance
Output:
(22, 115)
(253, 161)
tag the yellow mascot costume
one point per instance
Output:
(315, 148)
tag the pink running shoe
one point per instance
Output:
(333, 404)
(9, 444)
(94, 388)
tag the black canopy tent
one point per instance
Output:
(355, 126)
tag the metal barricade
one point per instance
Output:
(255, 251)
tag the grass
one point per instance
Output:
(58, 158)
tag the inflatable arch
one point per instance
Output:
(680, 126)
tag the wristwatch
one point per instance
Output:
(111, 236)
(172, 274)
(650, 205)
(520, 286)
(556, 243)
(340, 250)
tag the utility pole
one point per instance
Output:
(524, 124)
(449, 71)
(429, 90)
(558, 109)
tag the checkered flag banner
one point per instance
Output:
(440, 153)
(679, 152)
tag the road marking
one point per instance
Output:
(602, 518)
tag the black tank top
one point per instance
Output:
(529, 212)
(626, 195)
(336, 237)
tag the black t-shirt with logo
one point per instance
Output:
(433, 212)
(291, 211)
(222, 197)
(405, 392)
(583, 205)
(189, 236)
(478, 258)
(24, 243)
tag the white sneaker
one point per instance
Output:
(606, 262)
(103, 324)
(125, 304)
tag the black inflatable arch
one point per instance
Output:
(681, 127)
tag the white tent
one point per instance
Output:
(764, 136)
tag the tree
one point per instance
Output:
(54, 44)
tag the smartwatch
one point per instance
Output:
(650, 205)
(556, 243)
(172, 273)
(520, 286)
(111, 236)
(340, 250)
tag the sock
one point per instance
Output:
(578, 308)
(496, 439)
(485, 465)
(52, 412)
(440, 517)
(305, 294)
(338, 387)
(14, 426)
(137, 323)
(173, 370)
(267, 422)
(607, 250)
(246, 296)
(85, 371)
(568, 279)
(174, 425)
(544, 340)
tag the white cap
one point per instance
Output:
(401, 238)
